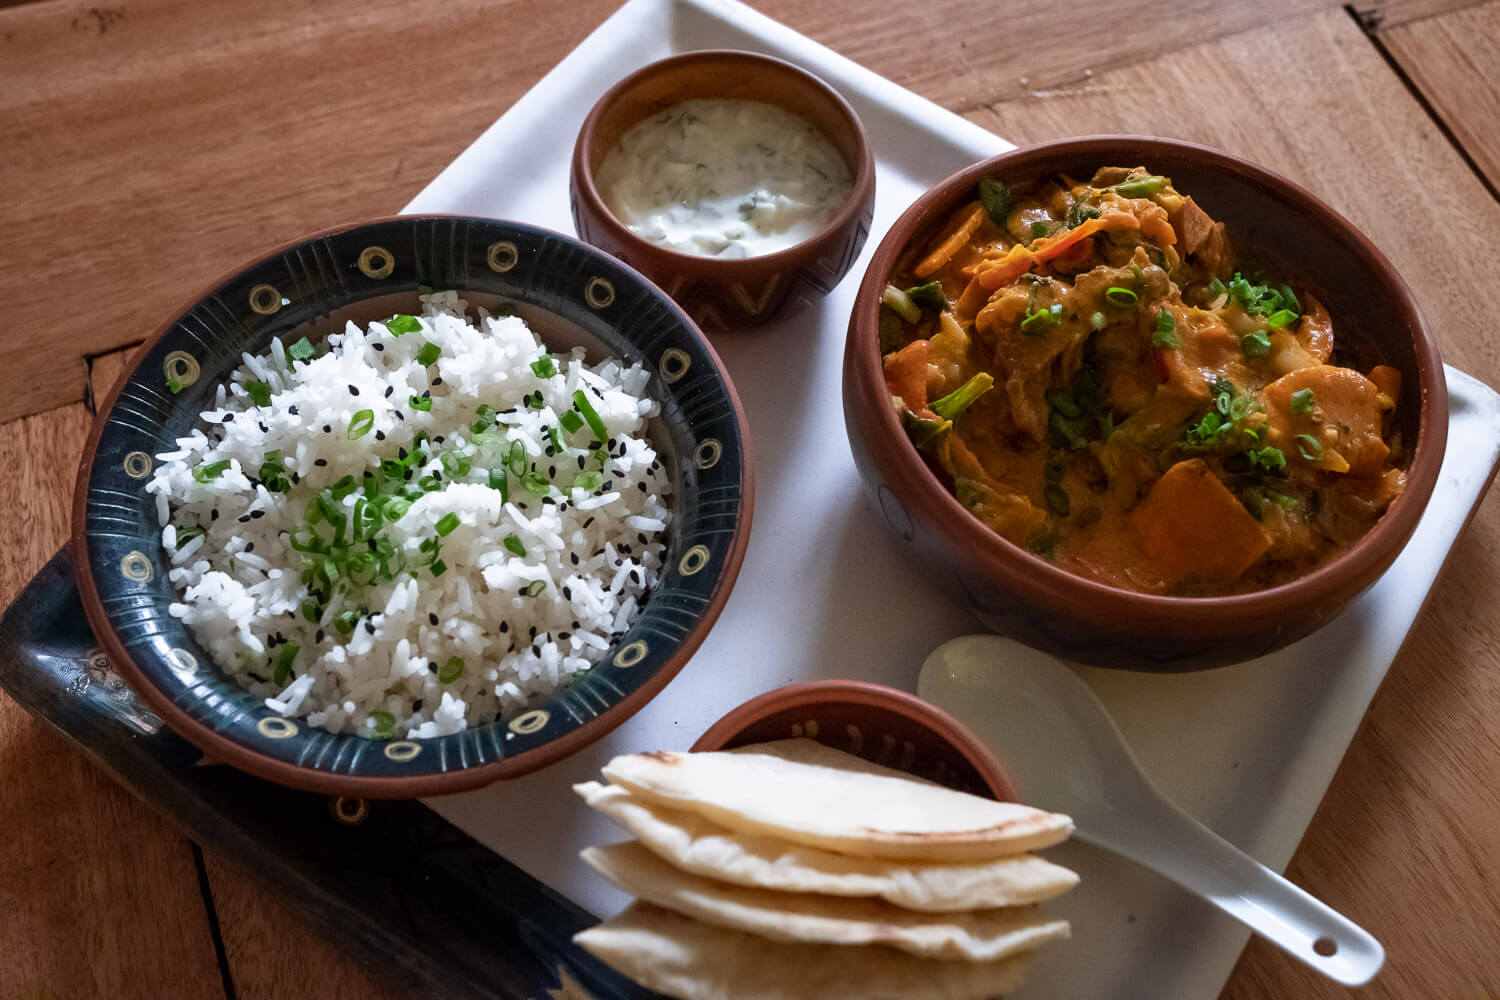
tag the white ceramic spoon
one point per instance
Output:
(1065, 752)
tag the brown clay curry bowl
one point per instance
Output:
(724, 293)
(1027, 596)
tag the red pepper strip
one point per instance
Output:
(906, 378)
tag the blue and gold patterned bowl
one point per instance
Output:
(570, 293)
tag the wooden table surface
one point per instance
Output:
(150, 145)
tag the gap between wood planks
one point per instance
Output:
(1371, 26)
(212, 912)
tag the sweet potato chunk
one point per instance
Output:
(1343, 417)
(1192, 528)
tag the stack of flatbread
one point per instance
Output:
(791, 869)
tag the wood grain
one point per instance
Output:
(302, 116)
(1382, 15)
(98, 896)
(1454, 62)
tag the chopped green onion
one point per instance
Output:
(1282, 317)
(1256, 344)
(1267, 459)
(173, 386)
(360, 424)
(484, 416)
(571, 421)
(589, 480)
(996, 199)
(281, 674)
(439, 567)
(385, 724)
(1309, 447)
(343, 487)
(555, 436)
(1140, 187)
(929, 296)
(311, 610)
(455, 465)
(429, 484)
(1302, 401)
(188, 532)
(534, 588)
(515, 545)
(402, 324)
(500, 481)
(1038, 322)
(544, 366)
(515, 459)
(259, 392)
(1122, 297)
(301, 350)
(1057, 500)
(959, 400)
(900, 303)
(346, 621)
(536, 483)
(423, 403)
(581, 401)
(1282, 500)
(209, 471)
(535, 401)
(272, 474)
(446, 524)
(1165, 334)
(451, 670)
(428, 353)
(394, 507)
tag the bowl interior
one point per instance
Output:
(725, 75)
(881, 725)
(1270, 221)
(571, 295)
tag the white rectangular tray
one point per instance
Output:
(825, 592)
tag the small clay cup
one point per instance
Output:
(728, 293)
(880, 724)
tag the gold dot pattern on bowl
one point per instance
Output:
(708, 453)
(674, 364)
(182, 661)
(136, 566)
(599, 293)
(693, 560)
(137, 465)
(273, 727)
(265, 299)
(530, 722)
(376, 262)
(631, 654)
(181, 369)
(349, 811)
(502, 256)
(402, 750)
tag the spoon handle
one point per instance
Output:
(1187, 852)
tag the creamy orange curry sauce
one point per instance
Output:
(1101, 381)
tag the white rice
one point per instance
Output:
(521, 625)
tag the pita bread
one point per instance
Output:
(697, 845)
(683, 958)
(810, 794)
(979, 936)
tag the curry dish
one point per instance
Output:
(1100, 380)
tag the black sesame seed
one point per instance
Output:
(378, 347)
(574, 557)
(327, 428)
(641, 486)
(431, 667)
(320, 636)
(399, 414)
(551, 451)
(641, 537)
(380, 435)
(533, 631)
(416, 706)
(505, 626)
(635, 575)
(353, 389)
(564, 636)
(244, 518)
(438, 439)
(588, 522)
(249, 546)
(575, 623)
(320, 462)
(296, 479)
(400, 452)
(369, 626)
(580, 463)
(263, 428)
(228, 417)
(292, 409)
(371, 543)
(432, 618)
(388, 390)
(438, 380)
(567, 593)
(213, 515)
(257, 513)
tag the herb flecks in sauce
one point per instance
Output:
(724, 178)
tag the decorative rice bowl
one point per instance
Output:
(421, 529)
(464, 481)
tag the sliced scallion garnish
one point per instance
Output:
(591, 415)
(360, 424)
(1255, 344)
(259, 392)
(428, 353)
(544, 366)
(1121, 297)
(209, 471)
(423, 403)
(514, 545)
(402, 324)
(446, 524)
(281, 673)
(1309, 447)
(571, 421)
(1302, 401)
(1165, 334)
(451, 670)
(301, 350)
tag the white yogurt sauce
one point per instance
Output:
(724, 179)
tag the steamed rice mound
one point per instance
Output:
(420, 526)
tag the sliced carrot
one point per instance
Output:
(968, 225)
(1191, 527)
(1001, 271)
(1343, 421)
(906, 378)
